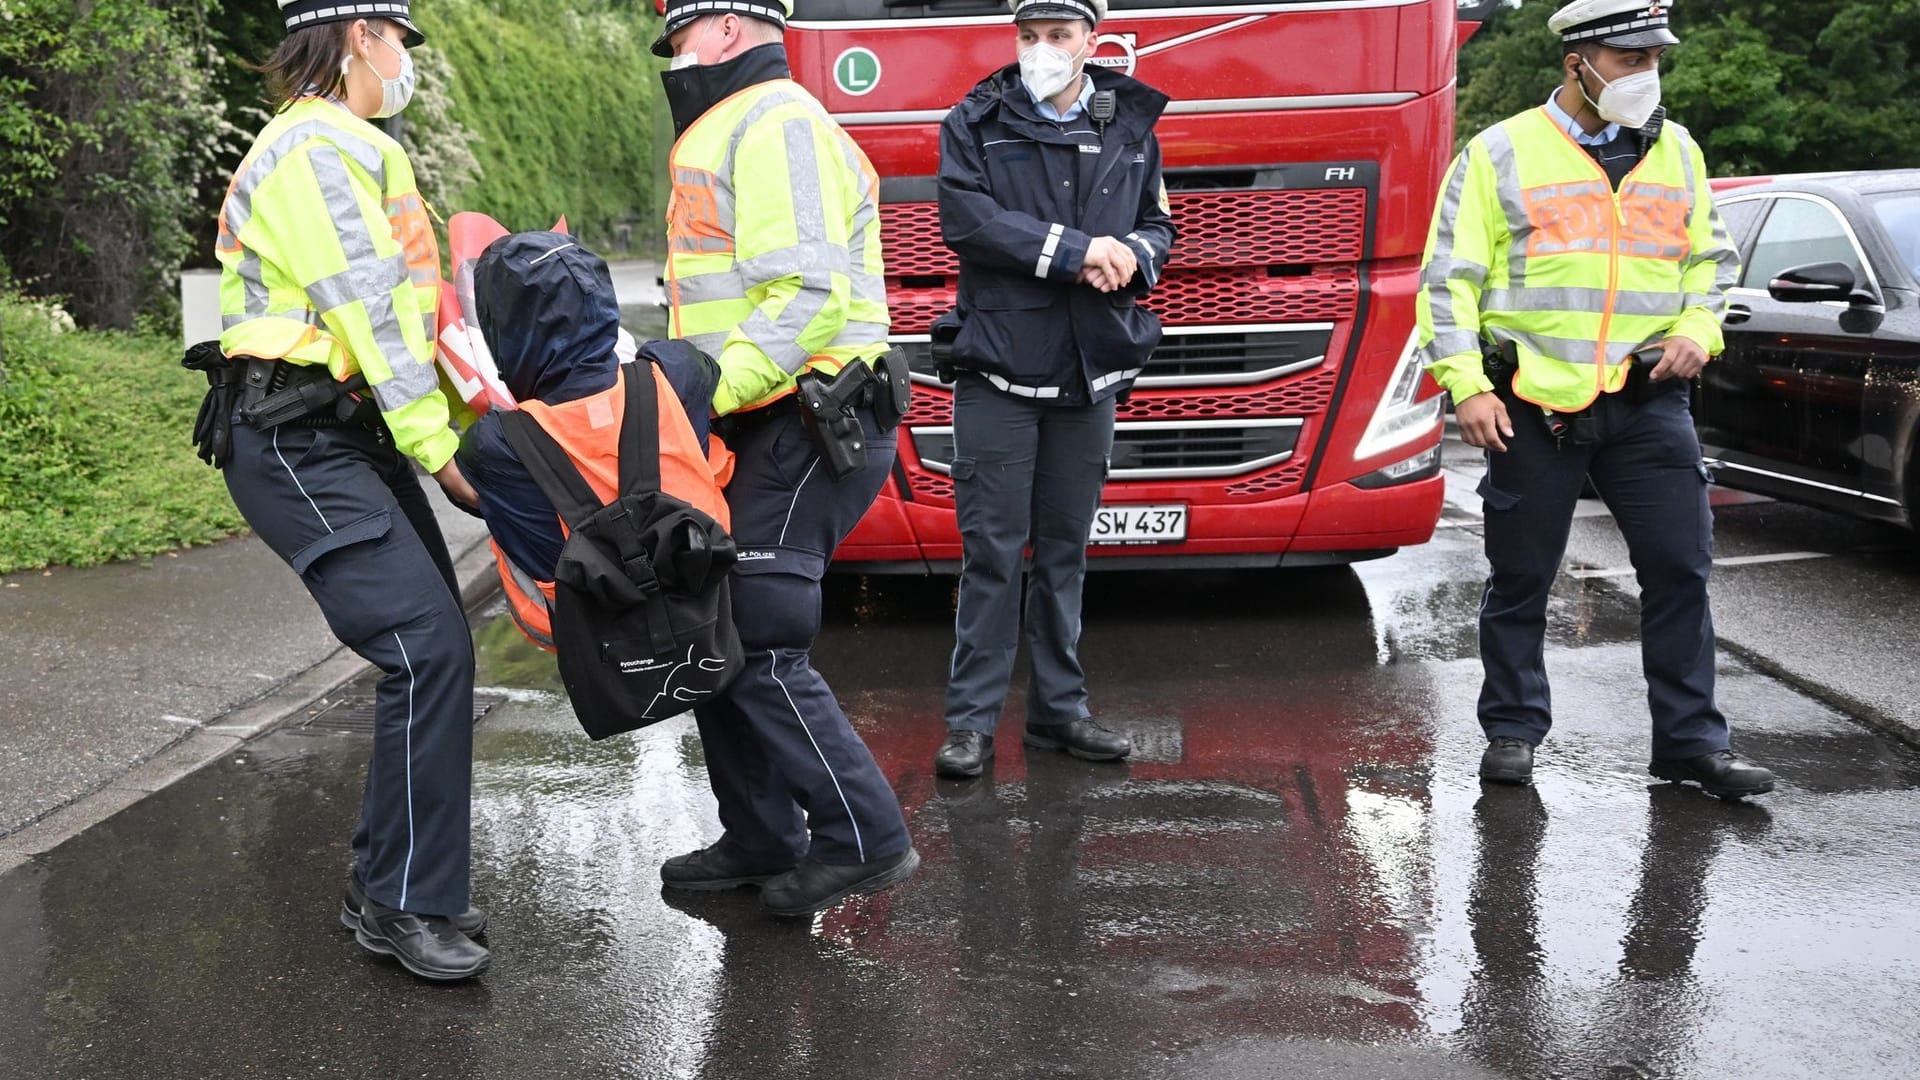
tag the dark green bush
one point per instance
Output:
(561, 94)
(95, 462)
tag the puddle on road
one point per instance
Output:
(1300, 857)
(1300, 850)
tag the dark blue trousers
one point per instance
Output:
(344, 509)
(1646, 466)
(1024, 474)
(791, 776)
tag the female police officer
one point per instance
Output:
(328, 298)
(1051, 195)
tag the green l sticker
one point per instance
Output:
(857, 72)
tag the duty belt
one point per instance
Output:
(265, 394)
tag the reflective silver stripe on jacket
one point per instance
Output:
(814, 259)
(1575, 351)
(239, 207)
(1576, 298)
(407, 379)
(1444, 268)
(1042, 393)
(530, 589)
(1045, 264)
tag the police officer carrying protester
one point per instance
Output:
(1573, 287)
(326, 396)
(1051, 195)
(773, 268)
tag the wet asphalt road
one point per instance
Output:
(1297, 876)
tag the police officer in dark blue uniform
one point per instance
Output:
(774, 269)
(1051, 195)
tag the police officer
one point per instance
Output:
(328, 293)
(1050, 193)
(773, 267)
(1573, 287)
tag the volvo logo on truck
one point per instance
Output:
(1124, 62)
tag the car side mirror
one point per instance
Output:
(1813, 283)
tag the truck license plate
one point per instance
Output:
(1160, 524)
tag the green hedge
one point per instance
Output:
(95, 458)
(561, 94)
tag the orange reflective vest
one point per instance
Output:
(588, 429)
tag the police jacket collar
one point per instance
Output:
(1137, 106)
(763, 63)
(694, 90)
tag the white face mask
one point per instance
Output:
(1048, 70)
(1628, 101)
(691, 58)
(394, 92)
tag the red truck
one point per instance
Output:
(1283, 421)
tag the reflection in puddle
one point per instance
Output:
(1298, 852)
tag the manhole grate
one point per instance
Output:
(352, 714)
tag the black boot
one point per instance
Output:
(1507, 761)
(1084, 739)
(717, 869)
(1720, 773)
(471, 922)
(428, 945)
(816, 886)
(964, 755)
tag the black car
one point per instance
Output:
(1817, 397)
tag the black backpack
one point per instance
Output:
(642, 613)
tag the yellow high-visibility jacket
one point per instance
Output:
(328, 257)
(1531, 244)
(773, 244)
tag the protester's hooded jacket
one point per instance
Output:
(549, 314)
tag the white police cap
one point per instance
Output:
(1623, 24)
(301, 14)
(1091, 10)
(682, 12)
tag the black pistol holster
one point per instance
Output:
(827, 411)
(275, 392)
(1501, 363)
(264, 394)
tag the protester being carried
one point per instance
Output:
(550, 317)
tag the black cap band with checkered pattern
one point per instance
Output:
(682, 12)
(301, 14)
(1054, 9)
(1641, 28)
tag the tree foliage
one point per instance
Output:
(122, 120)
(107, 131)
(561, 94)
(1766, 86)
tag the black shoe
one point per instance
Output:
(1084, 739)
(471, 922)
(964, 755)
(716, 869)
(1720, 773)
(430, 946)
(816, 886)
(1507, 761)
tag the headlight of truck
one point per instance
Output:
(1399, 419)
